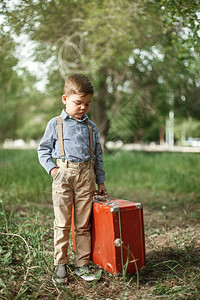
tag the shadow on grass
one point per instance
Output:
(171, 263)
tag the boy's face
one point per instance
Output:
(77, 105)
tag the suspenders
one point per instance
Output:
(91, 139)
(60, 138)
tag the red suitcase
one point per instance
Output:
(117, 235)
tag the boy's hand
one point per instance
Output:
(53, 171)
(102, 189)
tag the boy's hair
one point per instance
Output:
(78, 84)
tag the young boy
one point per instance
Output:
(74, 173)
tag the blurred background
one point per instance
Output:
(142, 56)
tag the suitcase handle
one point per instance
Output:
(100, 197)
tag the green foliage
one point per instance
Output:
(144, 51)
(18, 95)
(187, 128)
(9, 82)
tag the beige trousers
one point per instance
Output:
(73, 183)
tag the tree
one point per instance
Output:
(133, 51)
(9, 83)
(18, 94)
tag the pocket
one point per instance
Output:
(56, 174)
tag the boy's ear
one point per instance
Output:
(64, 99)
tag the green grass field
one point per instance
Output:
(167, 184)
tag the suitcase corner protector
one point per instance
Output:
(138, 205)
(114, 209)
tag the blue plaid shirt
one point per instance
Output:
(76, 144)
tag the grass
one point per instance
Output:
(171, 172)
(167, 184)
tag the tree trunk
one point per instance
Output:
(162, 135)
(98, 109)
